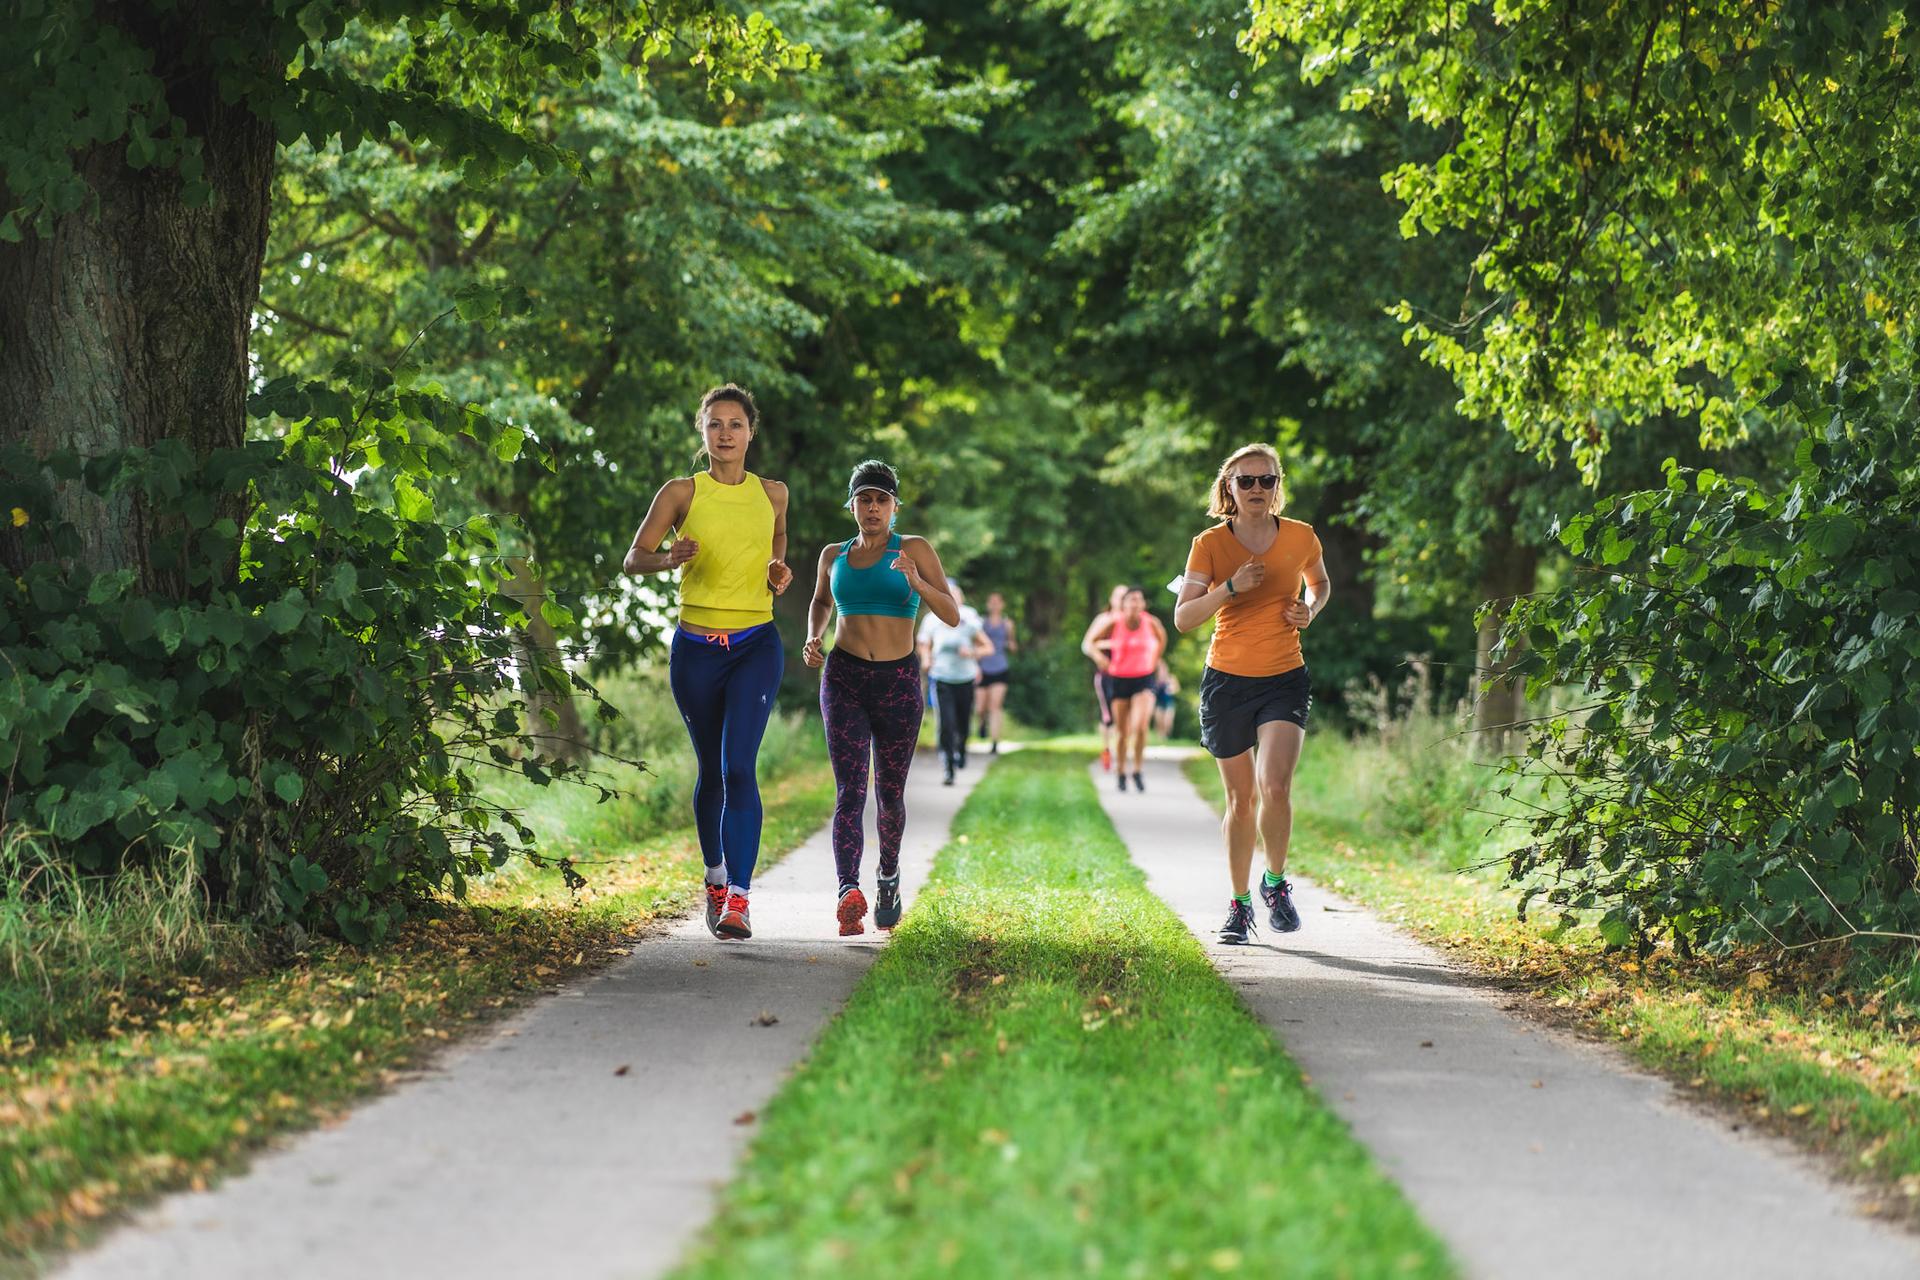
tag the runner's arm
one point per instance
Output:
(820, 608)
(1096, 633)
(779, 575)
(932, 583)
(668, 512)
(1319, 585)
(1197, 602)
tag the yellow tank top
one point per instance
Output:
(724, 587)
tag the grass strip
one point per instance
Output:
(1797, 1051)
(177, 1091)
(1043, 1075)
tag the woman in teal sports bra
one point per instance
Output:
(870, 690)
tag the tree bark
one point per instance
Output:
(565, 736)
(1512, 570)
(127, 323)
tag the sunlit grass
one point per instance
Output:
(1043, 1075)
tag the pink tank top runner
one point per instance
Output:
(1133, 653)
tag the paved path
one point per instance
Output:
(1531, 1152)
(585, 1137)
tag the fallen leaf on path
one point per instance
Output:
(745, 1117)
(700, 964)
(1539, 1084)
(764, 1019)
(623, 1068)
(1426, 1044)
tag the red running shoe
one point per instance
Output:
(853, 910)
(733, 921)
(716, 897)
(1106, 759)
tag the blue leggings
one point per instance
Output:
(725, 694)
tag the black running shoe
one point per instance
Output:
(1121, 777)
(886, 903)
(1139, 783)
(1239, 926)
(1281, 916)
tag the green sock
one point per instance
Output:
(1245, 899)
(1270, 879)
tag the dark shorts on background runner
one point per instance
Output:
(1118, 687)
(1232, 708)
(989, 678)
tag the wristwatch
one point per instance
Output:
(1230, 590)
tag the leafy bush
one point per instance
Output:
(306, 717)
(1747, 768)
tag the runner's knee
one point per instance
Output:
(1276, 791)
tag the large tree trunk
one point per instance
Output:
(127, 323)
(1511, 570)
(565, 735)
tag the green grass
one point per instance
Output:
(1805, 1049)
(1043, 1075)
(177, 1087)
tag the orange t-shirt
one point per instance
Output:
(1249, 637)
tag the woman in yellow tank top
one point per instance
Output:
(729, 531)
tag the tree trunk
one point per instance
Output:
(1344, 544)
(1511, 570)
(127, 323)
(564, 737)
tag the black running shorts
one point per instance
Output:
(1232, 708)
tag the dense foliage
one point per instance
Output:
(1748, 764)
(309, 720)
(1688, 213)
(474, 266)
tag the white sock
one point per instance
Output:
(717, 874)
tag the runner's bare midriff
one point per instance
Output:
(874, 637)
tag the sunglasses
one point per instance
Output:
(1265, 482)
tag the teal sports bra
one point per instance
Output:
(879, 589)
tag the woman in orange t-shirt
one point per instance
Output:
(1251, 570)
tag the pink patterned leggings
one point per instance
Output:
(872, 714)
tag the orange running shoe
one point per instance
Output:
(1106, 759)
(853, 910)
(733, 921)
(716, 897)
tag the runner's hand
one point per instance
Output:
(1297, 615)
(779, 576)
(681, 551)
(812, 654)
(1249, 575)
(903, 563)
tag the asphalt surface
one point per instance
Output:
(1531, 1152)
(585, 1137)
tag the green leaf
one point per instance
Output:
(286, 613)
(409, 503)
